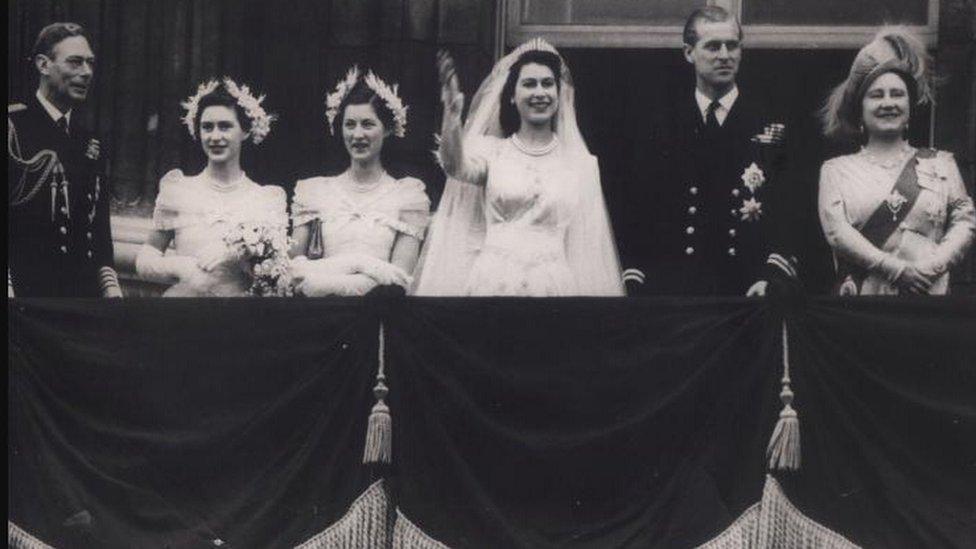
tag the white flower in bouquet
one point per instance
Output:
(265, 249)
(264, 268)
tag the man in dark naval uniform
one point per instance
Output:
(708, 208)
(59, 240)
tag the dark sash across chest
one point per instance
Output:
(888, 216)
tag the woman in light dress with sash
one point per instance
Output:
(898, 218)
(363, 227)
(523, 211)
(187, 248)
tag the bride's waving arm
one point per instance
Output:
(452, 150)
(457, 162)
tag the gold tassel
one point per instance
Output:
(783, 451)
(18, 538)
(379, 433)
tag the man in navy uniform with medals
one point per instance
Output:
(709, 216)
(59, 239)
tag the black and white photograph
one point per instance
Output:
(491, 274)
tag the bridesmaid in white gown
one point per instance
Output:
(363, 227)
(523, 212)
(194, 213)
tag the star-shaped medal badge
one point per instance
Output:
(751, 210)
(753, 178)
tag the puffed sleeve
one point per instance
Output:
(304, 206)
(846, 241)
(961, 217)
(169, 213)
(414, 206)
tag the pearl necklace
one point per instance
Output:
(890, 163)
(534, 151)
(363, 188)
(228, 187)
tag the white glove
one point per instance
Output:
(321, 285)
(152, 265)
(346, 274)
(215, 255)
(384, 272)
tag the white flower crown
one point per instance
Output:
(260, 119)
(334, 99)
(385, 92)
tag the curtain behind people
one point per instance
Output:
(152, 53)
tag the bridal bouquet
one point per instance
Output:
(264, 248)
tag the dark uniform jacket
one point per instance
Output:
(60, 237)
(694, 225)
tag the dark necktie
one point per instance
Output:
(711, 121)
(63, 124)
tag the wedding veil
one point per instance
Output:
(458, 229)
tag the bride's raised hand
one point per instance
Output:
(451, 94)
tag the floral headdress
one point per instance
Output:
(260, 119)
(384, 91)
(342, 89)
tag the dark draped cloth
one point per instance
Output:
(516, 423)
(589, 423)
(152, 424)
(644, 423)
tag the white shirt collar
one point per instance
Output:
(52, 111)
(724, 104)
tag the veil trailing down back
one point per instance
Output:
(518, 221)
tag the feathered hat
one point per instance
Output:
(894, 49)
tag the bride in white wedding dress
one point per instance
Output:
(523, 212)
